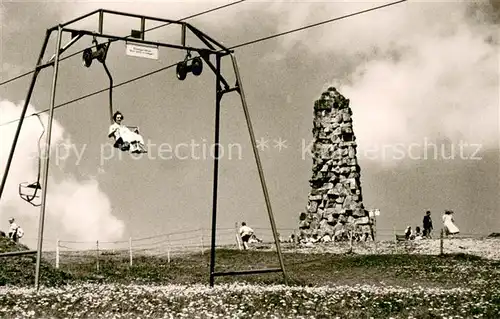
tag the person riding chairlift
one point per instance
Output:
(125, 138)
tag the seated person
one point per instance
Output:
(339, 231)
(126, 139)
(254, 239)
(408, 233)
(418, 234)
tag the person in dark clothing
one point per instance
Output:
(427, 223)
(245, 233)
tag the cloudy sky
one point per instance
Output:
(422, 77)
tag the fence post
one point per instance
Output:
(441, 242)
(97, 254)
(350, 240)
(57, 254)
(237, 236)
(395, 239)
(130, 249)
(168, 249)
(374, 227)
(201, 238)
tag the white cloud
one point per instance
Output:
(83, 210)
(76, 210)
(420, 70)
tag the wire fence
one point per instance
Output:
(169, 246)
(163, 245)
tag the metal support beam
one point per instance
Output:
(18, 253)
(259, 164)
(101, 21)
(133, 15)
(65, 47)
(229, 90)
(143, 27)
(248, 272)
(183, 35)
(218, 97)
(23, 112)
(76, 19)
(205, 37)
(200, 36)
(133, 40)
(206, 58)
(46, 159)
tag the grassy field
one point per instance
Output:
(321, 285)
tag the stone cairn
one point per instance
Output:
(335, 208)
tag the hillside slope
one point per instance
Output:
(20, 270)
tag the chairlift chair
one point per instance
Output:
(30, 192)
(125, 146)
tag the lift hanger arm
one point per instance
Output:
(110, 91)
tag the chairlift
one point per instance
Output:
(136, 147)
(100, 55)
(30, 192)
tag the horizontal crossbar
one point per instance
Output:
(18, 253)
(247, 272)
(133, 15)
(230, 90)
(139, 41)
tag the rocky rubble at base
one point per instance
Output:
(488, 248)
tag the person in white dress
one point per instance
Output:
(449, 224)
(125, 138)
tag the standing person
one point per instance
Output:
(449, 223)
(427, 225)
(13, 230)
(245, 234)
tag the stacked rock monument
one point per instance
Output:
(335, 202)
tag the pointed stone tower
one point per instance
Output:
(335, 203)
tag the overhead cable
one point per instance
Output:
(233, 47)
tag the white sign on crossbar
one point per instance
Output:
(142, 51)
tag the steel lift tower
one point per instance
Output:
(211, 53)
